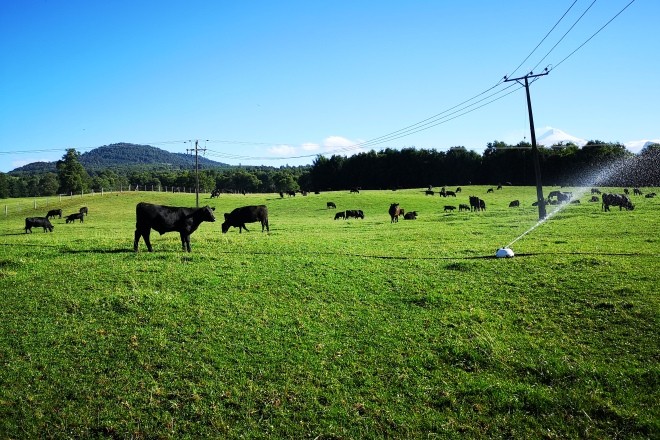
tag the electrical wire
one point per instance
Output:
(544, 38)
(594, 34)
(563, 36)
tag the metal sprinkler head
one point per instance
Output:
(504, 252)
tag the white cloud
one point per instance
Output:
(310, 146)
(337, 142)
(282, 150)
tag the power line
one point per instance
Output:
(543, 39)
(594, 34)
(563, 36)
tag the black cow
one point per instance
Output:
(164, 219)
(449, 208)
(71, 218)
(38, 222)
(331, 205)
(53, 213)
(83, 210)
(215, 193)
(490, 190)
(650, 195)
(476, 204)
(354, 213)
(458, 189)
(594, 199)
(514, 204)
(291, 193)
(620, 200)
(246, 214)
(412, 215)
(429, 192)
(463, 207)
(340, 215)
(595, 191)
(355, 190)
(637, 191)
(394, 212)
(450, 194)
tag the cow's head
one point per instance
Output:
(208, 214)
(225, 226)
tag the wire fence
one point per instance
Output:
(29, 205)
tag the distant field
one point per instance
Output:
(332, 329)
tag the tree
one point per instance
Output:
(72, 175)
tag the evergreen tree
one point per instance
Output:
(73, 177)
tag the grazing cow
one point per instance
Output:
(564, 197)
(71, 218)
(474, 203)
(463, 207)
(215, 193)
(594, 199)
(499, 186)
(637, 191)
(429, 192)
(291, 193)
(83, 210)
(412, 215)
(164, 219)
(482, 205)
(450, 194)
(354, 213)
(458, 189)
(54, 212)
(246, 214)
(449, 208)
(595, 191)
(650, 195)
(339, 215)
(626, 191)
(38, 222)
(355, 190)
(514, 204)
(331, 205)
(281, 195)
(620, 200)
(490, 190)
(394, 212)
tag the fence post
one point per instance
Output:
(35, 204)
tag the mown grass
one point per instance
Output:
(333, 329)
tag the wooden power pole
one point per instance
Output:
(535, 151)
(196, 150)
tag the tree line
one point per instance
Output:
(596, 163)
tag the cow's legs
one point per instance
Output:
(137, 240)
(185, 242)
(146, 234)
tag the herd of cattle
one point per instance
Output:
(44, 222)
(185, 221)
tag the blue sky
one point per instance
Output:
(263, 82)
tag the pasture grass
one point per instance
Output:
(332, 329)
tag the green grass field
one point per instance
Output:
(327, 329)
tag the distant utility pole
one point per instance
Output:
(535, 150)
(196, 150)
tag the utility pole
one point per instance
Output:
(196, 150)
(535, 151)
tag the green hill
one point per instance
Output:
(125, 155)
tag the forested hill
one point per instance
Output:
(124, 155)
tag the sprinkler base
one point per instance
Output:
(504, 252)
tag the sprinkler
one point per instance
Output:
(504, 252)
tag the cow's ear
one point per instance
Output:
(213, 209)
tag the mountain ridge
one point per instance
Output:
(127, 155)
